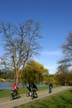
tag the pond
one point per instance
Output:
(6, 85)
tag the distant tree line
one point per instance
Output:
(32, 72)
(6, 75)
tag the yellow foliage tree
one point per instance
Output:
(34, 72)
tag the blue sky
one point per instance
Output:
(55, 18)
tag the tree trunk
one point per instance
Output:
(17, 77)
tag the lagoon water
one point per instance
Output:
(6, 85)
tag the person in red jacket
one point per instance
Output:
(15, 88)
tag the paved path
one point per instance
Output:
(7, 103)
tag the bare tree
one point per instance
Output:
(20, 44)
(67, 50)
(67, 47)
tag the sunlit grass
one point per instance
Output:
(59, 100)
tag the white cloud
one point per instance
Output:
(52, 68)
(51, 53)
(49, 60)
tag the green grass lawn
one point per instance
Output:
(59, 100)
(6, 93)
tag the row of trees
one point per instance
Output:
(6, 74)
(33, 72)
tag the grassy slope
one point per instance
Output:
(60, 100)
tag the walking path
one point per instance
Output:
(7, 103)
